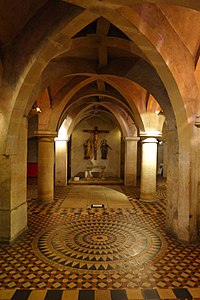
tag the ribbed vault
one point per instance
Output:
(128, 60)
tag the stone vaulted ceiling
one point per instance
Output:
(105, 59)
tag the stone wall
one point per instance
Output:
(112, 163)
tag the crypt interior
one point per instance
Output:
(100, 148)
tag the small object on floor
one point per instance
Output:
(97, 205)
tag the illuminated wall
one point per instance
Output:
(112, 163)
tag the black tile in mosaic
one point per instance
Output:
(118, 295)
(150, 294)
(53, 295)
(182, 294)
(50, 256)
(86, 295)
(21, 295)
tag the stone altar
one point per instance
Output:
(89, 169)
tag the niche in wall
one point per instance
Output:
(79, 137)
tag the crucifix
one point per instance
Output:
(95, 138)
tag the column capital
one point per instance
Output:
(151, 134)
(45, 133)
(132, 138)
(149, 140)
(57, 139)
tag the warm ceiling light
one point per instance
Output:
(38, 110)
(35, 110)
(159, 113)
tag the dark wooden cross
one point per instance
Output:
(95, 138)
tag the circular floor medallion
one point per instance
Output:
(99, 244)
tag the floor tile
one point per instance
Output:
(21, 295)
(182, 293)
(134, 294)
(102, 295)
(74, 202)
(53, 294)
(195, 292)
(6, 294)
(86, 294)
(150, 294)
(70, 295)
(118, 295)
(37, 295)
(166, 294)
(101, 249)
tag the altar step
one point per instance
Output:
(97, 181)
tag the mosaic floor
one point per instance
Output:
(119, 252)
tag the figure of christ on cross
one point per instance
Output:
(95, 138)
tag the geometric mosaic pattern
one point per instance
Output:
(100, 244)
(108, 250)
(133, 294)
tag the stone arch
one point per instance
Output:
(124, 23)
(193, 4)
(39, 64)
(138, 73)
(127, 127)
(52, 45)
(186, 225)
(93, 93)
(161, 96)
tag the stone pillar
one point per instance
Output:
(46, 165)
(148, 170)
(13, 199)
(130, 168)
(182, 184)
(61, 162)
(165, 165)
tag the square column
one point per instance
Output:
(130, 170)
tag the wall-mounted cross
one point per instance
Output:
(95, 132)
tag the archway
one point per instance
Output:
(127, 21)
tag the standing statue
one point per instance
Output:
(95, 142)
(104, 149)
(87, 149)
(95, 138)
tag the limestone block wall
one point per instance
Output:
(32, 155)
(160, 156)
(112, 163)
(13, 205)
